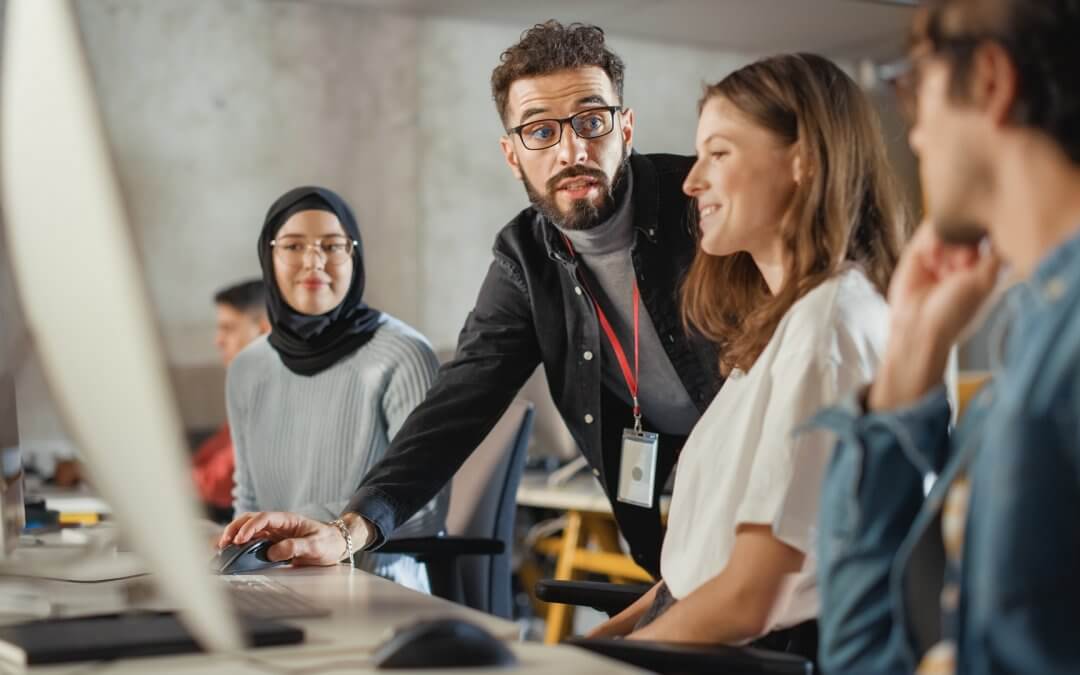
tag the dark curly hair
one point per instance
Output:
(1040, 37)
(548, 48)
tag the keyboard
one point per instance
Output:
(263, 598)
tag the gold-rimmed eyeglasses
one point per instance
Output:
(334, 250)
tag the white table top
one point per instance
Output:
(356, 597)
(365, 608)
(72, 500)
(580, 493)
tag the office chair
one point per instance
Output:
(669, 658)
(471, 565)
(663, 657)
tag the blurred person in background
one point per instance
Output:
(241, 317)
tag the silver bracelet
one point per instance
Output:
(344, 529)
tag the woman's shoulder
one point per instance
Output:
(255, 361)
(845, 312)
(254, 356)
(396, 342)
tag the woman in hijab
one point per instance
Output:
(313, 406)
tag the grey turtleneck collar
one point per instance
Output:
(605, 252)
(614, 234)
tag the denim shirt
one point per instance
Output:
(881, 556)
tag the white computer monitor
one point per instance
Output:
(87, 308)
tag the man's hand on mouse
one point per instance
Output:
(305, 541)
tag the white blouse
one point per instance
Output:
(742, 463)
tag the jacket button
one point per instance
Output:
(596, 472)
(588, 356)
(670, 338)
(577, 289)
(588, 418)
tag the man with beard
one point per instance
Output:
(585, 281)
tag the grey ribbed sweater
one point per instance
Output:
(304, 443)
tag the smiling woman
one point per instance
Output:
(791, 183)
(313, 261)
(314, 406)
(800, 228)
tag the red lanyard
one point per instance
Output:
(620, 355)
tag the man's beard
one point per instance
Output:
(583, 213)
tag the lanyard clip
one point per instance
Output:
(637, 416)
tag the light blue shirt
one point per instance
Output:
(881, 561)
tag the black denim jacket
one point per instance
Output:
(529, 312)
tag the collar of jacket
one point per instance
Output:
(646, 196)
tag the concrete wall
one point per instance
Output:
(216, 107)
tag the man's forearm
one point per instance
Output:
(497, 351)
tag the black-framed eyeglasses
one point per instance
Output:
(587, 124)
(334, 250)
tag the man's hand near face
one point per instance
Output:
(935, 293)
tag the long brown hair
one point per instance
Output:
(848, 208)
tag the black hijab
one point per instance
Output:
(309, 344)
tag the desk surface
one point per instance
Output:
(364, 610)
(580, 493)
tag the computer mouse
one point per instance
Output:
(247, 557)
(442, 643)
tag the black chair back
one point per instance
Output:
(483, 504)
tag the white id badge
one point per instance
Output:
(637, 473)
